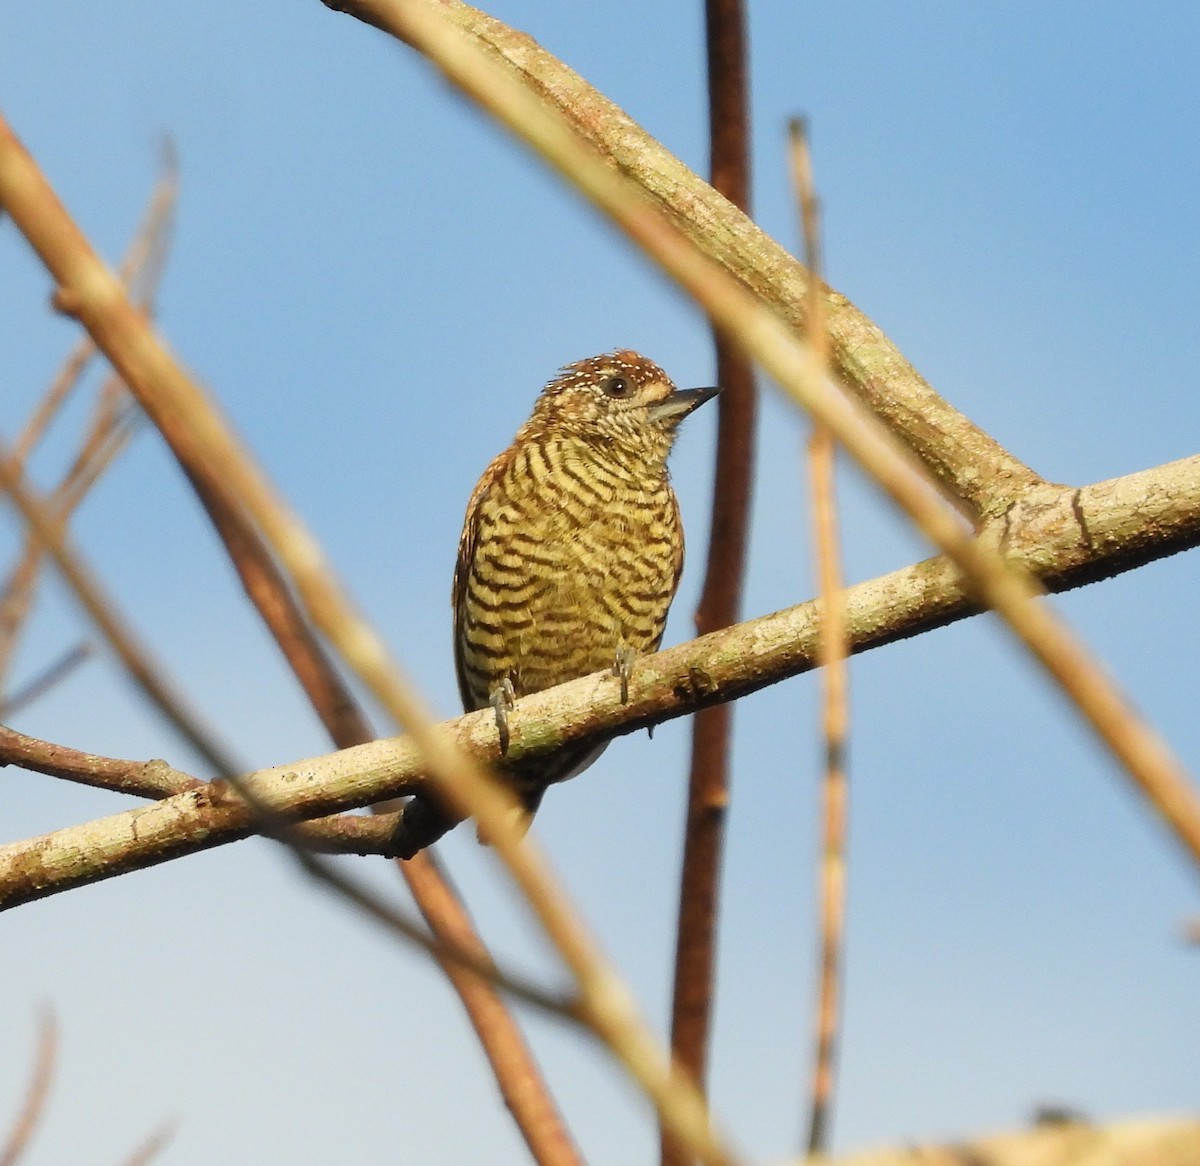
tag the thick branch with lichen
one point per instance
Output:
(1070, 538)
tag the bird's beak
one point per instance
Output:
(681, 402)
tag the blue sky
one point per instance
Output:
(374, 282)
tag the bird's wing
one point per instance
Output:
(462, 568)
(677, 565)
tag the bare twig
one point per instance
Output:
(39, 1089)
(53, 399)
(104, 614)
(152, 1146)
(140, 271)
(108, 434)
(720, 600)
(56, 673)
(111, 425)
(822, 458)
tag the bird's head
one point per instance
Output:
(619, 401)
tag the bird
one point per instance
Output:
(570, 555)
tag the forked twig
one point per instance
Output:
(105, 615)
(112, 421)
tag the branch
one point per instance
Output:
(970, 463)
(1068, 1143)
(88, 290)
(156, 779)
(721, 597)
(136, 657)
(1081, 536)
(760, 332)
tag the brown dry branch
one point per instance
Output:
(1093, 533)
(759, 329)
(1143, 1142)
(39, 1089)
(345, 834)
(108, 434)
(170, 398)
(518, 1078)
(830, 583)
(49, 678)
(111, 423)
(973, 466)
(135, 656)
(720, 599)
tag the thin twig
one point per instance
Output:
(54, 674)
(108, 434)
(39, 1089)
(832, 879)
(105, 615)
(54, 397)
(141, 271)
(720, 599)
(152, 1146)
(111, 425)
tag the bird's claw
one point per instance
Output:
(502, 699)
(623, 669)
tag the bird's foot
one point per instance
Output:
(503, 697)
(623, 669)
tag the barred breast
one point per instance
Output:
(573, 557)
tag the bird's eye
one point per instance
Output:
(616, 386)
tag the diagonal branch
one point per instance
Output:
(137, 659)
(88, 291)
(1088, 534)
(966, 460)
(759, 330)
